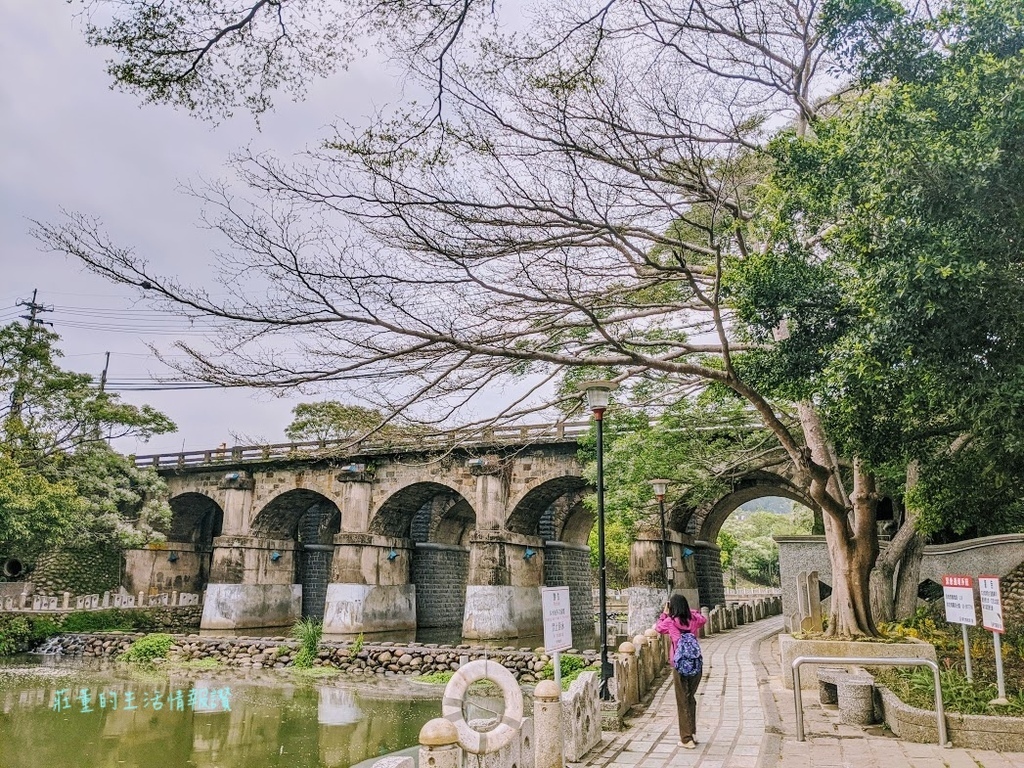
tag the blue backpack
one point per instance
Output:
(687, 659)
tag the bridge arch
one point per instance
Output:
(311, 520)
(527, 511)
(182, 563)
(755, 486)
(439, 522)
(394, 515)
(706, 524)
(554, 510)
(195, 519)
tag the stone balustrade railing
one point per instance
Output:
(26, 602)
(565, 726)
(416, 441)
(752, 592)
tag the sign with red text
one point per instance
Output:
(958, 595)
(554, 603)
(991, 603)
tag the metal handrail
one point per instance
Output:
(940, 714)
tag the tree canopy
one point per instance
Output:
(60, 482)
(807, 209)
(332, 420)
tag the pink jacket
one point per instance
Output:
(674, 628)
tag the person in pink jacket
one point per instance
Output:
(676, 619)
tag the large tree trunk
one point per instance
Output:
(850, 530)
(850, 614)
(908, 578)
(904, 551)
(889, 602)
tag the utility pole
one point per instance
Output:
(102, 388)
(103, 376)
(18, 390)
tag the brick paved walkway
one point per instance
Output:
(745, 719)
(730, 718)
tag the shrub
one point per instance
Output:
(112, 620)
(309, 633)
(146, 649)
(19, 633)
(15, 633)
(357, 644)
(572, 667)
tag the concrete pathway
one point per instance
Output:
(746, 719)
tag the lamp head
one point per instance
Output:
(598, 393)
(660, 486)
(529, 553)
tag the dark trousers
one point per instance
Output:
(686, 704)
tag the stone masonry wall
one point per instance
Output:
(316, 573)
(709, 576)
(440, 573)
(1012, 587)
(79, 572)
(386, 658)
(569, 566)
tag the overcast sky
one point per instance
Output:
(68, 141)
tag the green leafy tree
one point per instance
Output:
(34, 512)
(331, 420)
(60, 482)
(752, 550)
(610, 194)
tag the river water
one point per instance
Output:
(112, 715)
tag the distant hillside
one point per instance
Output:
(774, 504)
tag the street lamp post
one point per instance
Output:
(660, 488)
(598, 396)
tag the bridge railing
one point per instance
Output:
(463, 438)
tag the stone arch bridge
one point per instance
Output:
(457, 530)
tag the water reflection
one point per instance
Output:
(270, 721)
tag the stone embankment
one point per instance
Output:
(279, 652)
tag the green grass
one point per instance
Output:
(308, 632)
(112, 620)
(147, 649)
(916, 687)
(435, 678)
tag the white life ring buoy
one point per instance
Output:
(470, 739)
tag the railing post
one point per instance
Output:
(547, 722)
(439, 745)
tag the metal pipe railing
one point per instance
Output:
(940, 714)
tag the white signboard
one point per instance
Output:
(557, 618)
(991, 603)
(958, 595)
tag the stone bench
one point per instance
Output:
(852, 689)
